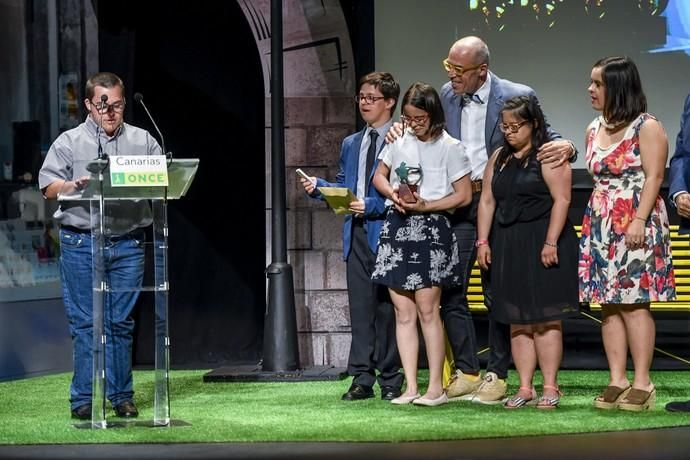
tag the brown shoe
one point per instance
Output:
(126, 409)
(638, 400)
(82, 412)
(611, 397)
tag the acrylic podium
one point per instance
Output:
(97, 194)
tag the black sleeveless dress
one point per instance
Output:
(524, 291)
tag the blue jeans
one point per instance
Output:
(124, 269)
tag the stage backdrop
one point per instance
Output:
(199, 71)
(549, 45)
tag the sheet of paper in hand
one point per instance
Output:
(338, 198)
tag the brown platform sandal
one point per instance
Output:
(611, 397)
(638, 400)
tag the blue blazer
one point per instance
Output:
(679, 168)
(374, 202)
(501, 91)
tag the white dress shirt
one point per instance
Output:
(472, 130)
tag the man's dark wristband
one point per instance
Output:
(573, 156)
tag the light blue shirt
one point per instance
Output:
(67, 160)
(366, 141)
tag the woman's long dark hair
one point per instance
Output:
(527, 108)
(425, 97)
(624, 99)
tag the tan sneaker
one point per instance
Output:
(491, 391)
(462, 386)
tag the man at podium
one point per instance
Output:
(64, 171)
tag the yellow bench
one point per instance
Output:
(680, 248)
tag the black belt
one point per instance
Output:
(358, 221)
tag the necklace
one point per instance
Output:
(610, 126)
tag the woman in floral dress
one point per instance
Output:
(625, 248)
(418, 252)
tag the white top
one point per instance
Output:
(443, 161)
(473, 129)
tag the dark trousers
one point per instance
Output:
(372, 319)
(455, 310)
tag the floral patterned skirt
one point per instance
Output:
(417, 251)
(609, 273)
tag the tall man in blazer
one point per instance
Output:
(472, 100)
(679, 193)
(679, 171)
(371, 313)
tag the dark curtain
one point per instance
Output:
(197, 65)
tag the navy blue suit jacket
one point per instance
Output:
(679, 169)
(501, 91)
(374, 202)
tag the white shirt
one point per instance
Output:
(362, 167)
(472, 130)
(442, 160)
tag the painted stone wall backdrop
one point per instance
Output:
(319, 84)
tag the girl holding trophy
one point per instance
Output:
(425, 175)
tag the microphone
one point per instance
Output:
(101, 155)
(138, 97)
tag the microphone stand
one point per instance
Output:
(100, 285)
(138, 97)
(160, 237)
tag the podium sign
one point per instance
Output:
(138, 170)
(181, 173)
(93, 190)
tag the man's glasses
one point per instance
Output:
(104, 107)
(458, 69)
(512, 127)
(418, 120)
(368, 98)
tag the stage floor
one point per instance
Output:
(670, 443)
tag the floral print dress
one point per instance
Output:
(608, 272)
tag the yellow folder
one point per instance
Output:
(338, 198)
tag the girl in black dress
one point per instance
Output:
(529, 247)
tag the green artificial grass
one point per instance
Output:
(36, 411)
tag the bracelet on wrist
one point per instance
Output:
(572, 149)
(642, 219)
(479, 243)
(552, 245)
